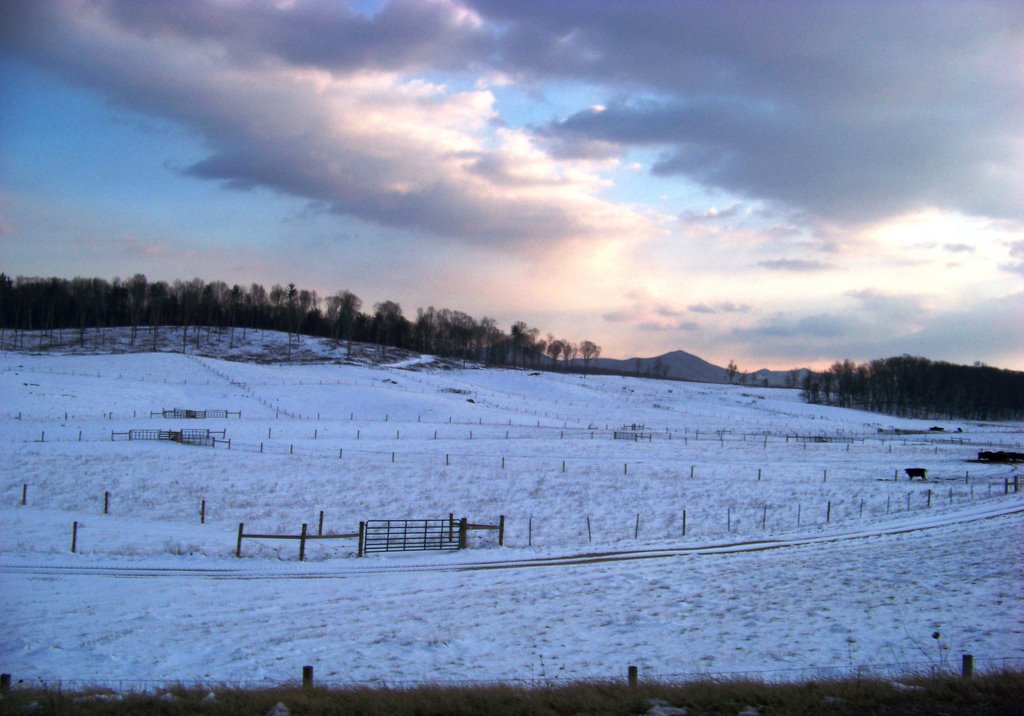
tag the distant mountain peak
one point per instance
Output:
(681, 365)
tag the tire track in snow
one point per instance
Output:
(247, 572)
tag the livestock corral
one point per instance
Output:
(616, 526)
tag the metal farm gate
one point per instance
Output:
(412, 535)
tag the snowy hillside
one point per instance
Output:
(806, 548)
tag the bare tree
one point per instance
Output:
(589, 350)
(158, 292)
(555, 347)
(569, 353)
(136, 286)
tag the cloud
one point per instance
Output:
(878, 325)
(325, 34)
(817, 326)
(648, 315)
(667, 327)
(850, 112)
(958, 248)
(719, 307)
(282, 107)
(798, 265)
(711, 215)
(904, 310)
(667, 311)
(1016, 252)
(617, 316)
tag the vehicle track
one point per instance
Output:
(251, 572)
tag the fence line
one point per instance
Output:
(744, 520)
(891, 670)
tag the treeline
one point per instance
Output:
(57, 304)
(909, 386)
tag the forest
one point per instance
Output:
(909, 386)
(58, 304)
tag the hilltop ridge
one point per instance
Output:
(256, 345)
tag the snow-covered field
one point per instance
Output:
(801, 553)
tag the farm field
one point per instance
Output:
(740, 530)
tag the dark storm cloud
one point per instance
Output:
(850, 111)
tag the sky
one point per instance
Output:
(781, 184)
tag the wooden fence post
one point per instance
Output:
(590, 536)
(307, 677)
(238, 546)
(5, 683)
(636, 530)
(362, 536)
(632, 676)
(106, 503)
(74, 536)
(967, 666)
(463, 533)
(320, 527)
(501, 530)
(684, 523)
(202, 512)
(24, 494)
(302, 543)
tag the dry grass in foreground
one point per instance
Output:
(1001, 693)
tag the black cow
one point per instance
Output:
(913, 472)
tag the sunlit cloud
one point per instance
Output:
(656, 177)
(373, 144)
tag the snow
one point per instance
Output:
(802, 554)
